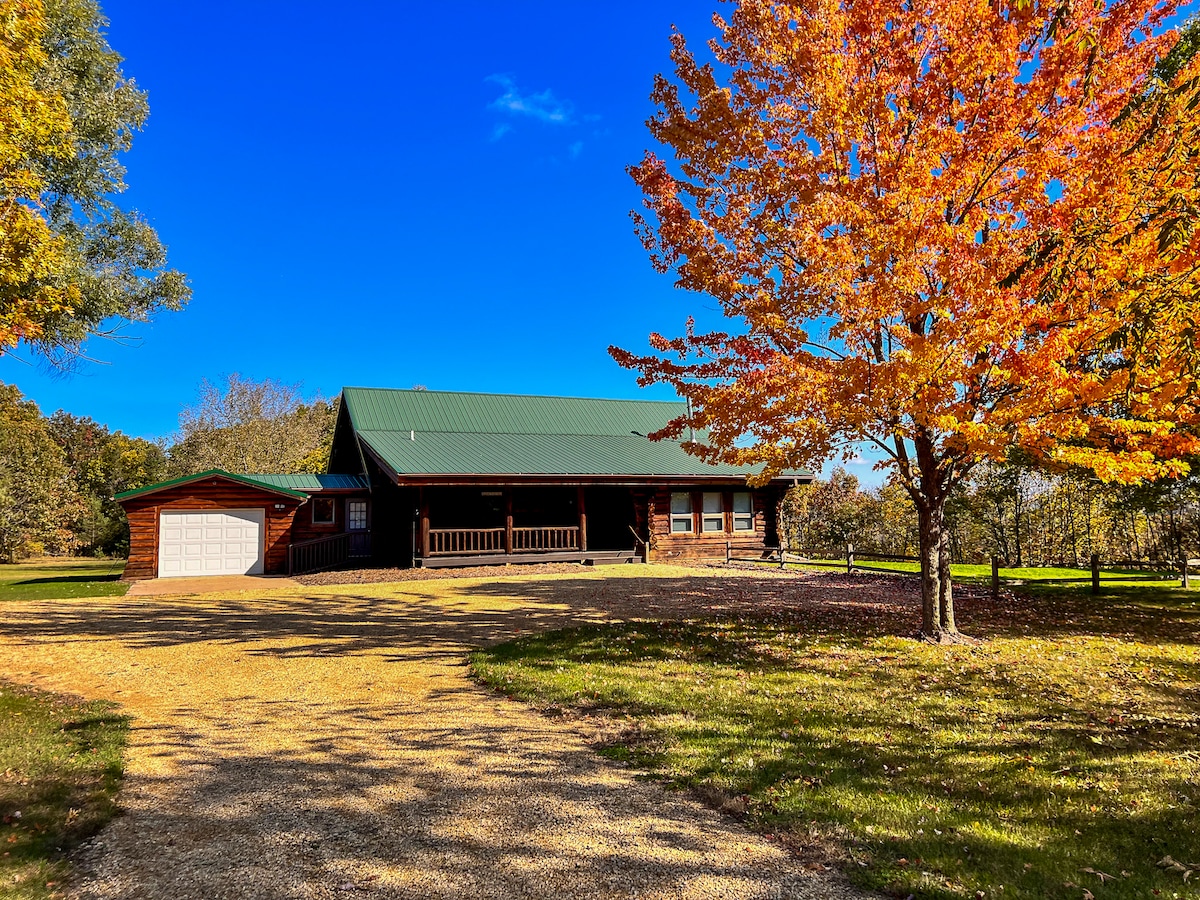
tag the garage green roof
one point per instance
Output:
(250, 480)
(450, 433)
(312, 484)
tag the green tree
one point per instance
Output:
(103, 463)
(254, 427)
(38, 503)
(826, 515)
(80, 265)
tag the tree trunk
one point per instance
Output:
(930, 541)
(946, 588)
(937, 594)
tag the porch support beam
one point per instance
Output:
(424, 504)
(508, 519)
(582, 518)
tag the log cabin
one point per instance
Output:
(439, 478)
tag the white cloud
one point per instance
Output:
(500, 131)
(543, 106)
(575, 149)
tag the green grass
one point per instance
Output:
(1067, 741)
(54, 579)
(60, 766)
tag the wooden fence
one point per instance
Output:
(853, 561)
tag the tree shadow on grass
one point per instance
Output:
(441, 620)
(69, 579)
(1010, 782)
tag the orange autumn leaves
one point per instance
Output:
(34, 124)
(952, 223)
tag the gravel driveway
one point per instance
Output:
(326, 742)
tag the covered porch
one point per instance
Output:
(506, 523)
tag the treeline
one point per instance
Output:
(1023, 515)
(59, 474)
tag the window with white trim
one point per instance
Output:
(743, 511)
(356, 515)
(712, 512)
(681, 513)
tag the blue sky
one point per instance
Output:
(385, 195)
(398, 194)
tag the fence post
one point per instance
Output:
(995, 578)
(728, 552)
(782, 561)
(1095, 573)
(849, 558)
(1183, 571)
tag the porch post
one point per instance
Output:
(508, 528)
(582, 519)
(424, 524)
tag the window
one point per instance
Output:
(743, 511)
(713, 517)
(322, 510)
(681, 513)
(356, 515)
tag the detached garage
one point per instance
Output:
(218, 523)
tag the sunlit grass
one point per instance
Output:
(54, 579)
(60, 766)
(1008, 768)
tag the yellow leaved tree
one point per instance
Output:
(946, 228)
(72, 262)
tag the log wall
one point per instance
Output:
(143, 514)
(668, 546)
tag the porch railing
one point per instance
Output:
(465, 541)
(531, 540)
(318, 554)
(328, 552)
(472, 541)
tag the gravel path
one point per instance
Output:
(328, 743)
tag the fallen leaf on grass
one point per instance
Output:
(1103, 876)
(1174, 865)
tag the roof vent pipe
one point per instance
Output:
(412, 435)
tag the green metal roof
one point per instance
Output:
(312, 484)
(447, 433)
(251, 480)
(377, 409)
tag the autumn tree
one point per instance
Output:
(827, 514)
(38, 503)
(72, 262)
(946, 228)
(254, 427)
(101, 463)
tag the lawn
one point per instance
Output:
(60, 578)
(60, 766)
(1057, 758)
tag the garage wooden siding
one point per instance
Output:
(670, 545)
(143, 514)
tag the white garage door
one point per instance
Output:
(203, 542)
